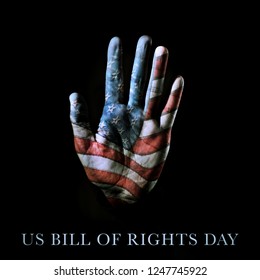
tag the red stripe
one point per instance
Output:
(160, 66)
(152, 108)
(99, 149)
(152, 143)
(104, 177)
(173, 102)
(81, 145)
(150, 174)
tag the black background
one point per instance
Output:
(208, 182)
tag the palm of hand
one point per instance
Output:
(126, 156)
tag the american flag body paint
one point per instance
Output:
(126, 155)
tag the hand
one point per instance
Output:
(126, 156)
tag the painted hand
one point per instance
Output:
(125, 157)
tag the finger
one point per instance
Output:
(114, 72)
(172, 105)
(155, 86)
(79, 117)
(139, 72)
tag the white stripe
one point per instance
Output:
(82, 132)
(108, 165)
(151, 160)
(178, 83)
(151, 127)
(102, 140)
(147, 161)
(167, 120)
(156, 87)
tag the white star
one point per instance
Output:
(115, 75)
(125, 141)
(133, 121)
(111, 108)
(110, 63)
(129, 109)
(121, 130)
(134, 88)
(115, 120)
(74, 103)
(107, 96)
(102, 125)
(120, 87)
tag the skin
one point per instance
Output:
(126, 155)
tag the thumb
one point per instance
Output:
(79, 117)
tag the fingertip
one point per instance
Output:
(76, 98)
(178, 84)
(159, 51)
(145, 40)
(181, 80)
(114, 43)
(73, 96)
